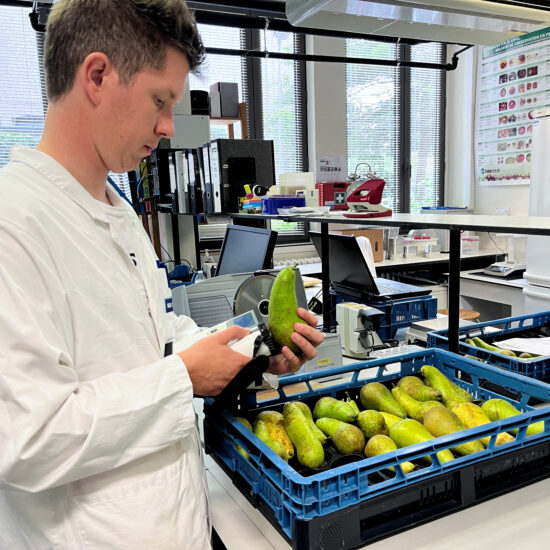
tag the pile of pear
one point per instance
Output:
(479, 343)
(413, 411)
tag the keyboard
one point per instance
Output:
(209, 311)
(297, 261)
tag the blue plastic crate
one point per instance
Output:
(398, 313)
(401, 313)
(509, 327)
(304, 501)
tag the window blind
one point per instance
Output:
(426, 140)
(395, 122)
(282, 120)
(373, 110)
(282, 111)
(21, 108)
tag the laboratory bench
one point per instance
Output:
(437, 263)
(455, 224)
(493, 297)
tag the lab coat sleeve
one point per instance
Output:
(55, 428)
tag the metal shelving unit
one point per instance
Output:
(523, 225)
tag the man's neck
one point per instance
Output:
(62, 140)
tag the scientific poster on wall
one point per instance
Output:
(514, 84)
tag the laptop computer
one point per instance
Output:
(349, 273)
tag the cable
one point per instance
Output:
(494, 242)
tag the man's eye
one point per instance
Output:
(159, 102)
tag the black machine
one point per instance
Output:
(350, 274)
(246, 249)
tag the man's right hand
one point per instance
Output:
(211, 363)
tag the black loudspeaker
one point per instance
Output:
(200, 102)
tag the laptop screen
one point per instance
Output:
(347, 265)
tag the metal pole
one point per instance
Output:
(325, 278)
(454, 288)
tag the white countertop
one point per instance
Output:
(306, 269)
(515, 521)
(502, 281)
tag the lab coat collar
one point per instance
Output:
(64, 180)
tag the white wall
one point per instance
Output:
(326, 97)
(460, 186)
(327, 127)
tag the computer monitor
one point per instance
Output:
(246, 249)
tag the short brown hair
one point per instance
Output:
(134, 34)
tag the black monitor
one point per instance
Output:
(246, 249)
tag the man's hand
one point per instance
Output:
(211, 363)
(306, 337)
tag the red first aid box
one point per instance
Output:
(333, 194)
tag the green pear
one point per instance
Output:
(347, 438)
(375, 395)
(309, 450)
(334, 408)
(409, 432)
(390, 419)
(441, 421)
(418, 390)
(415, 409)
(244, 422)
(498, 409)
(275, 423)
(282, 309)
(371, 423)
(351, 402)
(306, 411)
(260, 430)
(451, 393)
(380, 444)
(495, 349)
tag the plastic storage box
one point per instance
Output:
(271, 205)
(500, 329)
(352, 500)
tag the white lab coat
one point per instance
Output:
(98, 441)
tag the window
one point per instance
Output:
(273, 89)
(395, 121)
(281, 102)
(21, 108)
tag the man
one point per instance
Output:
(98, 439)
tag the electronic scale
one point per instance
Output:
(504, 269)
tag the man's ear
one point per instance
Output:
(96, 70)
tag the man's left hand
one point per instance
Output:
(305, 337)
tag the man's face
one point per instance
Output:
(137, 115)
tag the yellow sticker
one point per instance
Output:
(324, 361)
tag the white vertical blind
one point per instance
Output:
(280, 102)
(375, 124)
(426, 123)
(21, 105)
(373, 115)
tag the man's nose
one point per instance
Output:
(165, 125)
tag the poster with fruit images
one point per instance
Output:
(514, 84)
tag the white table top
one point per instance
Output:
(471, 275)
(515, 521)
